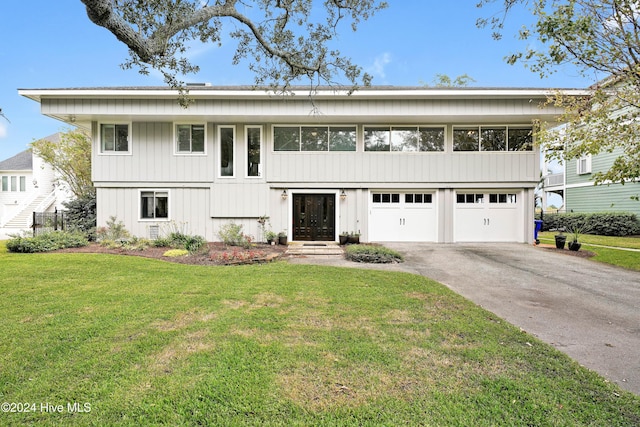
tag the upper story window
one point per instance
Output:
(314, 138)
(227, 150)
(190, 138)
(254, 150)
(14, 183)
(114, 138)
(404, 138)
(583, 166)
(492, 138)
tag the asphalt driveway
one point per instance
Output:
(588, 310)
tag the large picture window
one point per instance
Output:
(227, 138)
(493, 138)
(154, 205)
(404, 138)
(114, 138)
(190, 138)
(314, 138)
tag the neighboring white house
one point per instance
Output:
(27, 184)
(392, 163)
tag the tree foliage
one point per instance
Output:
(600, 38)
(282, 39)
(70, 158)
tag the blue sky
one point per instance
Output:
(52, 44)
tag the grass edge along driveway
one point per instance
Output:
(145, 342)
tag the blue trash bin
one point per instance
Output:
(537, 229)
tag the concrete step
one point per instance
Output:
(314, 248)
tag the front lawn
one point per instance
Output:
(621, 258)
(133, 341)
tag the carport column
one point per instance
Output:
(445, 215)
(529, 207)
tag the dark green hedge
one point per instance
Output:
(603, 224)
(47, 242)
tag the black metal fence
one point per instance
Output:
(44, 222)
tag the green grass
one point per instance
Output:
(626, 259)
(146, 342)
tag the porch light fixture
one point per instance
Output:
(284, 194)
(343, 195)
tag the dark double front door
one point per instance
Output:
(314, 217)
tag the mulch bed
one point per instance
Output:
(218, 254)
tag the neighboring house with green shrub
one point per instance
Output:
(390, 163)
(27, 184)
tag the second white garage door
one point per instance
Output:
(403, 216)
(488, 217)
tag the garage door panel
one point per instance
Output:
(403, 217)
(488, 216)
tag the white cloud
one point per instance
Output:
(381, 61)
(3, 130)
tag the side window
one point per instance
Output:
(23, 183)
(254, 151)
(154, 205)
(584, 165)
(190, 138)
(227, 145)
(466, 139)
(114, 138)
(5, 183)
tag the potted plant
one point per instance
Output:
(354, 237)
(576, 230)
(282, 237)
(270, 236)
(561, 239)
(344, 238)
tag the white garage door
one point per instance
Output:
(488, 217)
(403, 216)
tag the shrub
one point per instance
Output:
(81, 215)
(603, 223)
(47, 242)
(115, 231)
(231, 234)
(372, 254)
(172, 253)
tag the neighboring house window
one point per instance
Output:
(23, 183)
(5, 183)
(114, 138)
(190, 138)
(314, 138)
(493, 138)
(403, 138)
(227, 137)
(254, 150)
(154, 204)
(14, 183)
(584, 165)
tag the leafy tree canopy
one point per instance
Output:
(283, 40)
(600, 38)
(70, 158)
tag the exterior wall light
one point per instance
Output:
(284, 194)
(343, 195)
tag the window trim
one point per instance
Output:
(154, 190)
(261, 164)
(176, 151)
(586, 170)
(233, 151)
(129, 151)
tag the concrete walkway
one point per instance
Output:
(588, 310)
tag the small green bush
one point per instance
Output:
(47, 242)
(372, 254)
(602, 223)
(114, 231)
(231, 234)
(172, 253)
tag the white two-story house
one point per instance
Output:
(391, 163)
